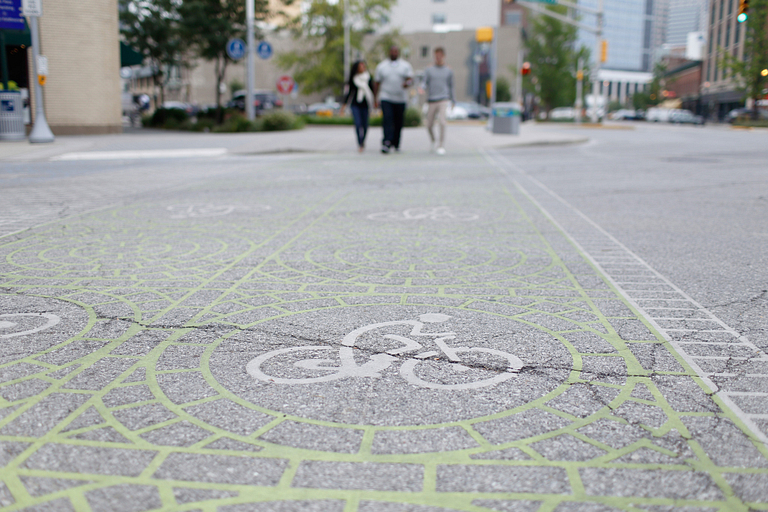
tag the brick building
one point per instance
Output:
(81, 40)
(720, 94)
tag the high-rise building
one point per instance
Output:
(425, 15)
(634, 29)
(724, 35)
(685, 16)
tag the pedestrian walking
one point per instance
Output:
(360, 99)
(438, 82)
(393, 78)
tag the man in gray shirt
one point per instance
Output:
(438, 81)
(393, 77)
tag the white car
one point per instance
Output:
(562, 114)
(658, 115)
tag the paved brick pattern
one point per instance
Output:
(141, 388)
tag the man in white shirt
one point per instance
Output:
(393, 77)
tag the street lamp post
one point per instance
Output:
(41, 132)
(250, 14)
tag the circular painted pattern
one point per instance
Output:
(391, 365)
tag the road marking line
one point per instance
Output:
(502, 164)
(141, 154)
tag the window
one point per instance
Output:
(722, 4)
(730, 7)
(736, 34)
(438, 18)
(712, 22)
(424, 52)
(512, 18)
(728, 35)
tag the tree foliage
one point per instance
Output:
(748, 72)
(320, 66)
(553, 56)
(207, 25)
(151, 27)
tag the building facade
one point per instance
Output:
(83, 89)
(411, 16)
(725, 34)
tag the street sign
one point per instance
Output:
(32, 7)
(264, 50)
(236, 49)
(10, 15)
(285, 85)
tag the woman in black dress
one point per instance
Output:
(360, 98)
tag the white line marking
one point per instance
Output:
(501, 163)
(142, 154)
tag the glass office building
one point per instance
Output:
(634, 29)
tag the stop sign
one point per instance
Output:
(285, 84)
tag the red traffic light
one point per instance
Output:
(526, 69)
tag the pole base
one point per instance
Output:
(41, 132)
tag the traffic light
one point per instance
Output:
(603, 50)
(526, 69)
(743, 11)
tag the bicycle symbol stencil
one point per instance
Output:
(468, 367)
(436, 213)
(7, 325)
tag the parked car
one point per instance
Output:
(262, 101)
(623, 115)
(680, 116)
(180, 105)
(325, 108)
(475, 110)
(562, 114)
(657, 115)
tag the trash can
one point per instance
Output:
(505, 118)
(11, 116)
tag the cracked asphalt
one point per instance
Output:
(560, 328)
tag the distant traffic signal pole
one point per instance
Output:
(743, 11)
(601, 46)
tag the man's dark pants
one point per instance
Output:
(393, 117)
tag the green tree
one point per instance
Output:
(151, 27)
(749, 72)
(319, 67)
(209, 24)
(654, 94)
(551, 50)
(503, 87)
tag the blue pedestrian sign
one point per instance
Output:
(236, 49)
(10, 15)
(264, 50)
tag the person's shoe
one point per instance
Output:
(397, 150)
(440, 151)
(385, 150)
(360, 149)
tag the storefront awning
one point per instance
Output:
(18, 37)
(129, 56)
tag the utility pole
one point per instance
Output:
(41, 132)
(250, 14)
(598, 59)
(347, 42)
(579, 89)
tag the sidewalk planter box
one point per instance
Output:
(11, 116)
(505, 118)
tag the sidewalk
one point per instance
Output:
(312, 139)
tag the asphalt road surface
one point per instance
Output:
(548, 328)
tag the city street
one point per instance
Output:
(575, 319)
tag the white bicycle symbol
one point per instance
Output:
(437, 213)
(377, 363)
(50, 318)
